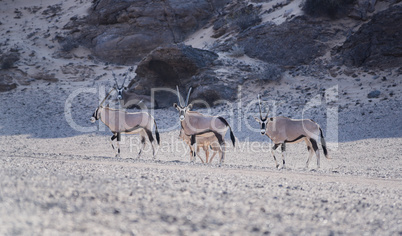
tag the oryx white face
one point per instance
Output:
(263, 125)
(182, 110)
(120, 93)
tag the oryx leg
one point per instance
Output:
(310, 151)
(223, 153)
(118, 144)
(191, 153)
(151, 140)
(283, 149)
(194, 147)
(198, 154)
(317, 152)
(273, 154)
(206, 150)
(142, 145)
(111, 140)
(222, 147)
(212, 157)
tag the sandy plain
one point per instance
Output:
(59, 176)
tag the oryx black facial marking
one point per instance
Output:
(129, 99)
(95, 114)
(120, 93)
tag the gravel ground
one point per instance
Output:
(55, 180)
(58, 174)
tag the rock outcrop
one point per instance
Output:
(293, 43)
(377, 44)
(166, 67)
(124, 32)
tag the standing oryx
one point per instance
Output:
(128, 99)
(195, 124)
(205, 143)
(120, 122)
(282, 130)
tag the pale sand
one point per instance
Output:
(55, 180)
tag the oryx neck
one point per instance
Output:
(194, 113)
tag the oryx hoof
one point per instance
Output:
(117, 155)
(277, 167)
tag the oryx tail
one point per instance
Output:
(156, 133)
(324, 144)
(232, 137)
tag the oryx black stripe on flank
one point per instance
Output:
(298, 138)
(217, 135)
(203, 132)
(132, 129)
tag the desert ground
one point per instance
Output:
(59, 174)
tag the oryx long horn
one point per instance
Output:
(259, 105)
(178, 95)
(115, 79)
(122, 85)
(188, 95)
(106, 97)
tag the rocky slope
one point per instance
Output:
(255, 41)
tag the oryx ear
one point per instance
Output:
(258, 120)
(175, 105)
(189, 106)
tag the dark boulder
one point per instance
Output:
(122, 31)
(8, 78)
(6, 83)
(377, 44)
(8, 59)
(184, 66)
(374, 94)
(293, 43)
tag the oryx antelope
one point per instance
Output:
(282, 130)
(195, 124)
(206, 143)
(120, 122)
(128, 99)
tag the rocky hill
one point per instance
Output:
(213, 46)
